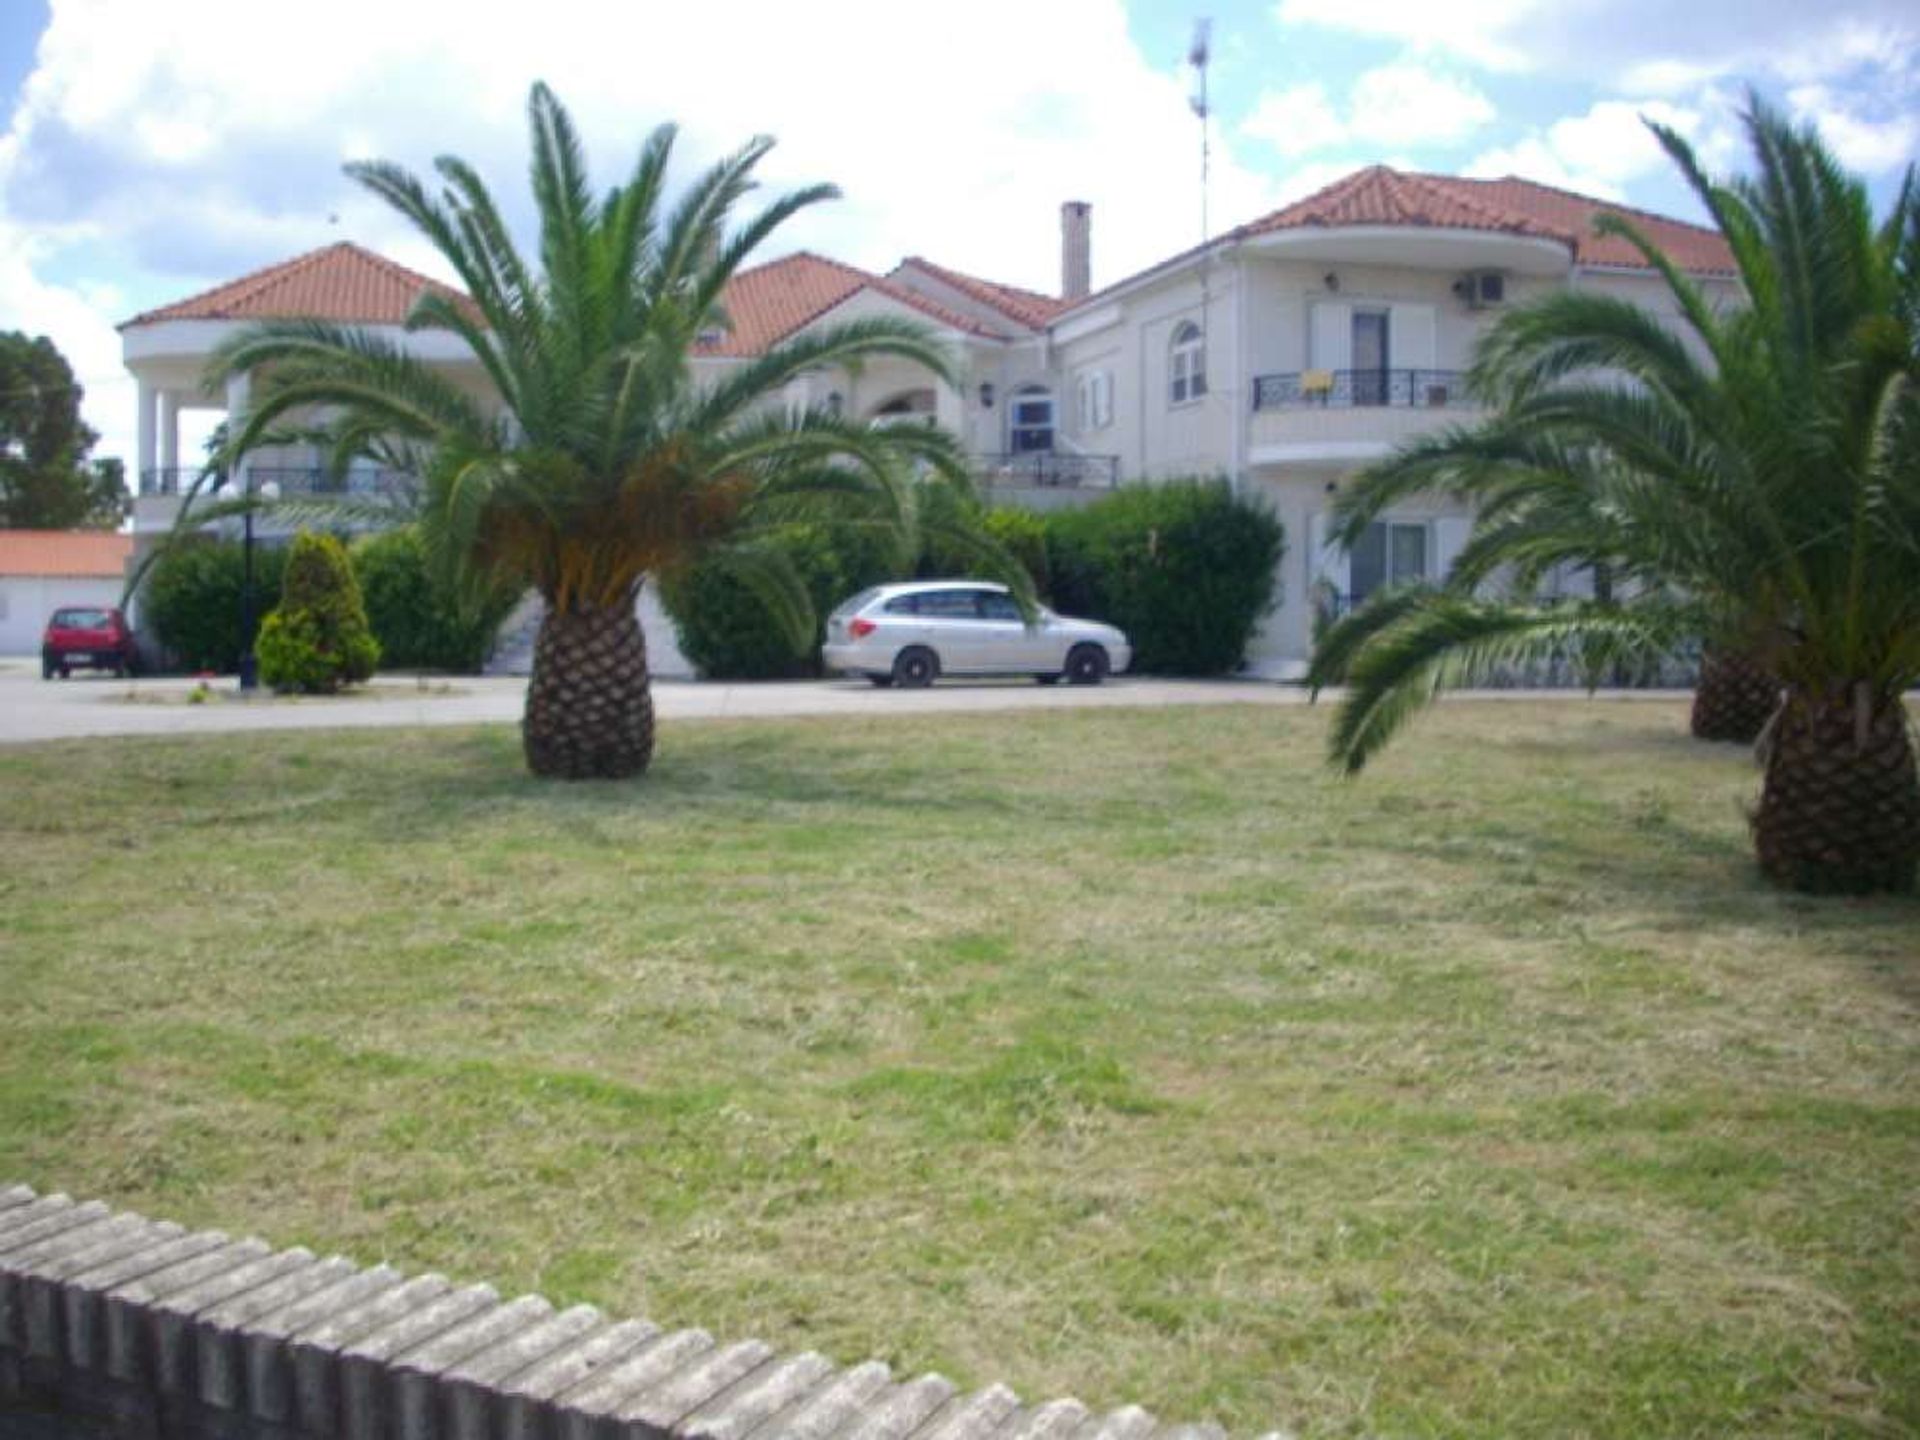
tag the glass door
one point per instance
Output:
(1369, 357)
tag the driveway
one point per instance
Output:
(36, 709)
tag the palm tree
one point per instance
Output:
(1753, 478)
(606, 459)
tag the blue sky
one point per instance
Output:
(153, 149)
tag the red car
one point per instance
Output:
(87, 637)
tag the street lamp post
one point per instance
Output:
(249, 666)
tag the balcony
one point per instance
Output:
(1047, 470)
(1350, 415)
(290, 480)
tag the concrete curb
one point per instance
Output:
(125, 1325)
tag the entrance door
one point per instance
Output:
(1369, 357)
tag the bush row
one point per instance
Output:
(1186, 568)
(193, 601)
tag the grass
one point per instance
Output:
(1121, 1054)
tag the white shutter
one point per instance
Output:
(1326, 560)
(1332, 337)
(1449, 539)
(1410, 337)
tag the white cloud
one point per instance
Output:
(1640, 46)
(1604, 150)
(193, 140)
(1861, 142)
(1408, 104)
(1296, 121)
(1402, 104)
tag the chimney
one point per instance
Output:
(1076, 249)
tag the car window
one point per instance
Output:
(856, 604)
(903, 605)
(995, 606)
(949, 604)
(81, 619)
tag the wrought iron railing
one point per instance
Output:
(1352, 389)
(1049, 469)
(287, 479)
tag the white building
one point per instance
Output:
(1283, 355)
(42, 571)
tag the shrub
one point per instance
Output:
(418, 624)
(317, 639)
(730, 633)
(193, 600)
(1022, 532)
(1185, 568)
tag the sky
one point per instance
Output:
(151, 150)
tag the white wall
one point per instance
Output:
(27, 600)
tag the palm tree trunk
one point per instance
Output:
(1840, 810)
(589, 702)
(1735, 697)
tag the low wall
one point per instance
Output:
(112, 1324)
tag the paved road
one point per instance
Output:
(33, 709)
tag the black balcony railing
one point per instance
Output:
(288, 480)
(1355, 389)
(1049, 469)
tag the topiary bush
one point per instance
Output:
(317, 639)
(728, 631)
(1186, 568)
(420, 626)
(193, 600)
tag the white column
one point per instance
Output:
(950, 409)
(143, 445)
(169, 431)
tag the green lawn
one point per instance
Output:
(1121, 1054)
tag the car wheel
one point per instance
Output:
(880, 682)
(915, 668)
(1086, 665)
(46, 668)
(66, 673)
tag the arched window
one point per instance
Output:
(1187, 364)
(1031, 419)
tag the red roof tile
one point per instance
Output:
(766, 304)
(1379, 195)
(71, 553)
(1028, 307)
(341, 282)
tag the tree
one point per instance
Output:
(47, 481)
(1765, 490)
(317, 638)
(608, 459)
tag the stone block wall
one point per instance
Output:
(115, 1325)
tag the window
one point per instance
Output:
(948, 604)
(1095, 399)
(1389, 553)
(995, 606)
(903, 605)
(1370, 357)
(1032, 421)
(1187, 372)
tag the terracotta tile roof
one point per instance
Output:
(1028, 307)
(1380, 195)
(341, 282)
(766, 304)
(71, 553)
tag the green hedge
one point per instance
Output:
(1185, 568)
(317, 639)
(193, 600)
(728, 631)
(418, 625)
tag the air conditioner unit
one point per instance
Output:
(1481, 289)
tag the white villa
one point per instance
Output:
(1283, 355)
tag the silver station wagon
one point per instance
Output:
(912, 633)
